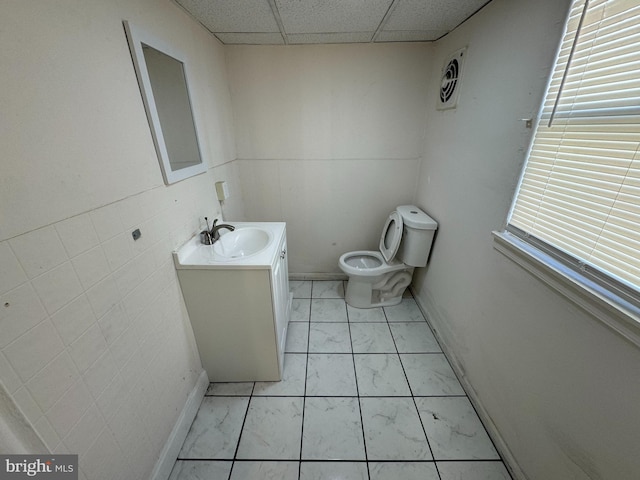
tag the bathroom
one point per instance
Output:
(330, 139)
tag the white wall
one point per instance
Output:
(561, 387)
(329, 139)
(96, 347)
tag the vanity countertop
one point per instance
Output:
(195, 255)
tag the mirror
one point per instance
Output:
(162, 77)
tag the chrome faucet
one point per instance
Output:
(210, 235)
(215, 228)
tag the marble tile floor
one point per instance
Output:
(367, 394)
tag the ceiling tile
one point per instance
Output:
(331, 16)
(250, 38)
(409, 35)
(349, 37)
(232, 15)
(431, 15)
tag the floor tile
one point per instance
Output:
(392, 430)
(333, 470)
(300, 309)
(215, 431)
(349, 376)
(430, 374)
(331, 374)
(332, 429)
(200, 470)
(380, 375)
(297, 337)
(272, 429)
(366, 314)
(328, 310)
(454, 430)
(300, 288)
(240, 389)
(293, 376)
(414, 337)
(372, 338)
(247, 470)
(406, 311)
(473, 471)
(403, 471)
(327, 289)
(329, 338)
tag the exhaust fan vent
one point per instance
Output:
(450, 80)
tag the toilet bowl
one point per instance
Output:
(378, 279)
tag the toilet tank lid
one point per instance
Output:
(413, 217)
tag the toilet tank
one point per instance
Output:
(417, 236)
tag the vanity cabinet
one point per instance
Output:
(239, 310)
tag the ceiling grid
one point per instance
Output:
(277, 22)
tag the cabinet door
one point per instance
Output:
(281, 293)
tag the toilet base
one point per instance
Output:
(361, 292)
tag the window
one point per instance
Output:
(579, 195)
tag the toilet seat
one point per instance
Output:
(367, 263)
(391, 236)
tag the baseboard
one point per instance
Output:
(317, 276)
(436, 321)
(164, 465)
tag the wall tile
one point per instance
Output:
(113, 323)
(8, 376)
(118, 250)
(57, 287)
(127, 427)
(77, 234)
(99, 375)
(34, 350)
(39, 251)
(11, 273)
(112, 397)
(47, 432)
(91, 267)
(51, 383)
(130, 211)
(27, 405)
(67, 411)
(82, 435)
(103, 296)
(20, 309)
(102, 457)
(123, 347)
(106, 221)
(73, 319)
(127, 278)
(88, 348)
(145, 263)
(133, 370)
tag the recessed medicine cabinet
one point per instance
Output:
(162, 76)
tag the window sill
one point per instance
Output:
(610, 309)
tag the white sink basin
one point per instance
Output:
(251, 245)
(241, 243)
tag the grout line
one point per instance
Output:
(415, 405)
(304, 399)
(358, 396)
(355, 376)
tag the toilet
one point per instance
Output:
(378, 279)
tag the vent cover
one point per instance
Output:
(450, 80)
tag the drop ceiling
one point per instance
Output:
(278, 22)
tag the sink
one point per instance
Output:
(250, 245)
(241, 243)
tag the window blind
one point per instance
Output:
(580, 189)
